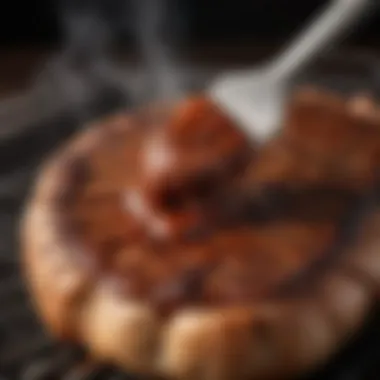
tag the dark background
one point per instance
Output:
(37, 22)
(25, 139)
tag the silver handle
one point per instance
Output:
(334, 20)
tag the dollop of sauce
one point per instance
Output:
(181, 208)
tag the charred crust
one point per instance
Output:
(170, 327)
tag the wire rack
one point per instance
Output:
(26, 352)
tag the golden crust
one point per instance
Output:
(118, 330)
(55, 278)
(264, 341)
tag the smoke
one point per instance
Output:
(87, 34)
(90, 30)
(157, 28)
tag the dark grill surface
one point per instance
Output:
(26, 353)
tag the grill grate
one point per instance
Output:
(26, 352)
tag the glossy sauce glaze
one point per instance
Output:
(180, 208)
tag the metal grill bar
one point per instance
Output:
(26, 353)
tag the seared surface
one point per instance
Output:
(31, 355)
(175, 209)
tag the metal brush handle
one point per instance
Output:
(332, 23)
